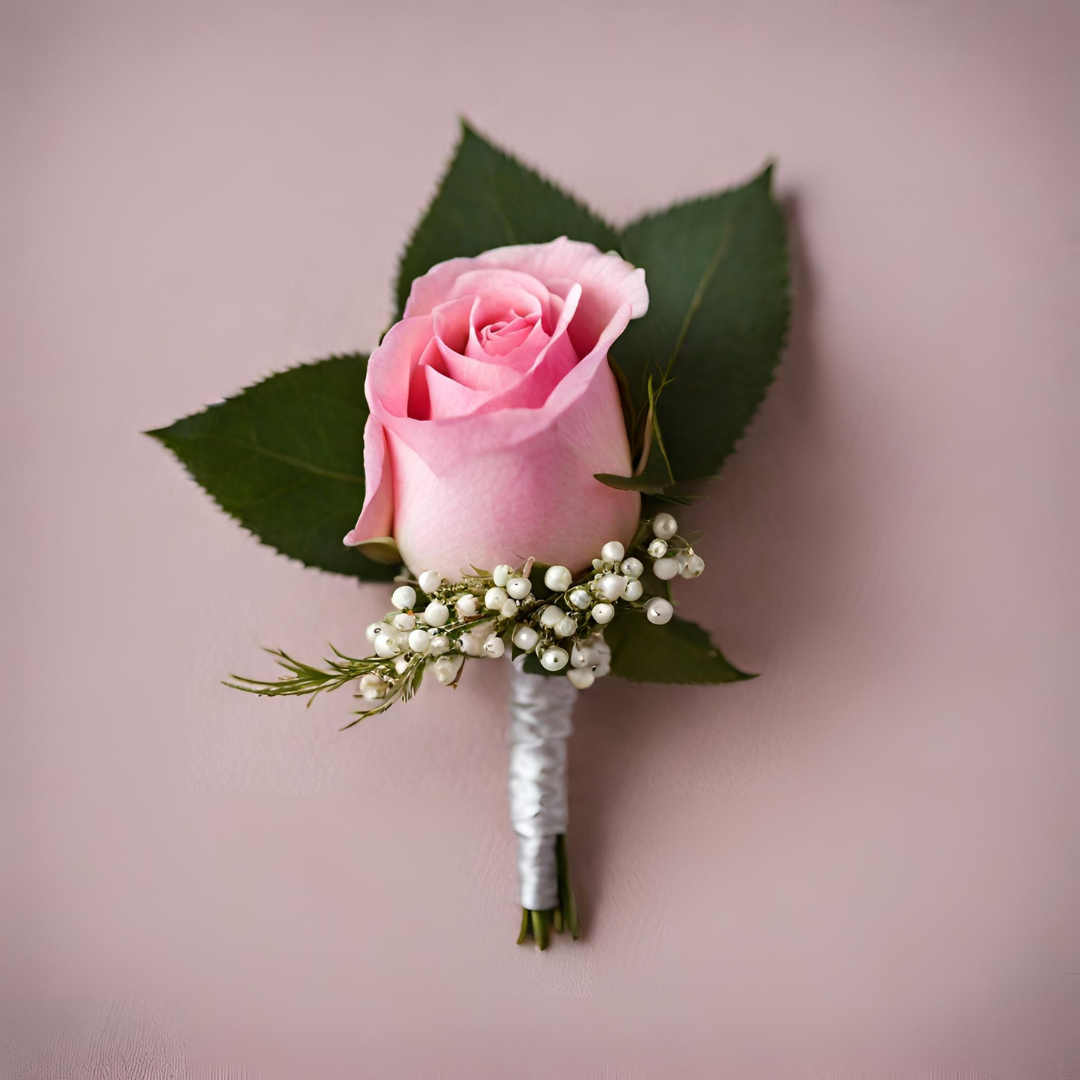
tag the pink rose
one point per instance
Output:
(493, 405)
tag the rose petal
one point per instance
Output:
(550, 366)
(486, 376)
(419, 399)
(608, 281)
(502, 304)
(502, 339)
(521, 484)
(446, 443)
(377, 516)
(457, 278)
(450, 398)
(388, 377)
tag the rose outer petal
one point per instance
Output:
(377, 516)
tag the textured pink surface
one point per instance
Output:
(868, 851)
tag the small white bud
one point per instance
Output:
(467, 606)
(436, 614)
(494, 646)
(509, 609)
(664, 526)
(598, 564)
(374, 630)
(578, 657)
(440, 644)
(565, 627)
(420, 641)
(551, 616)
(430, 580)
(525, 637)
(372, 686)
(612, 551)
(495, 598)
(666, 569)
(404, 621)
(658, 549)
(682, 559)
(471, 645)
(633, 568)
(401, 664)
(502, 574)
(558, 578)
(603, 613)
(580, 599)
(554, 659)
(582, 678)
(447, 668)
(519, 587)
(404, 597)
(695, 567)
(659, 611)
(611, 586)
(386, 646)
(632, 590)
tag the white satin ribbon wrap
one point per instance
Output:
(540, 724)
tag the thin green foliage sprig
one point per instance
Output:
(305, 678)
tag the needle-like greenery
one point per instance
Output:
(306, 680)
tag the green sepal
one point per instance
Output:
(653, 472)
(285, 458)
(634, 428)
(680, 651)
(382, 550)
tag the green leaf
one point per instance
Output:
(653, 472)
(719, 306)
(677, 652)
(285, 457)
(488, 199)
(536, 579)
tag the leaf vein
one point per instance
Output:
(699, 294)
(287, 459)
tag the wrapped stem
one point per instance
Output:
(541, 708)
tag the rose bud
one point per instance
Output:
(492, 407)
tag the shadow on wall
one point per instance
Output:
(774, 523)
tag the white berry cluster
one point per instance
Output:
(443, 623)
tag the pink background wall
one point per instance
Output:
(867, 854)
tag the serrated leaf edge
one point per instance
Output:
(468, 129)
(765, 175)
(158, 435)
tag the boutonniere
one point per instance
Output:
(516, 458)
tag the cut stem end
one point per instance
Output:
(538, 924)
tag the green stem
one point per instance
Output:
(539, 920)
(536, 923)
(567, 903)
